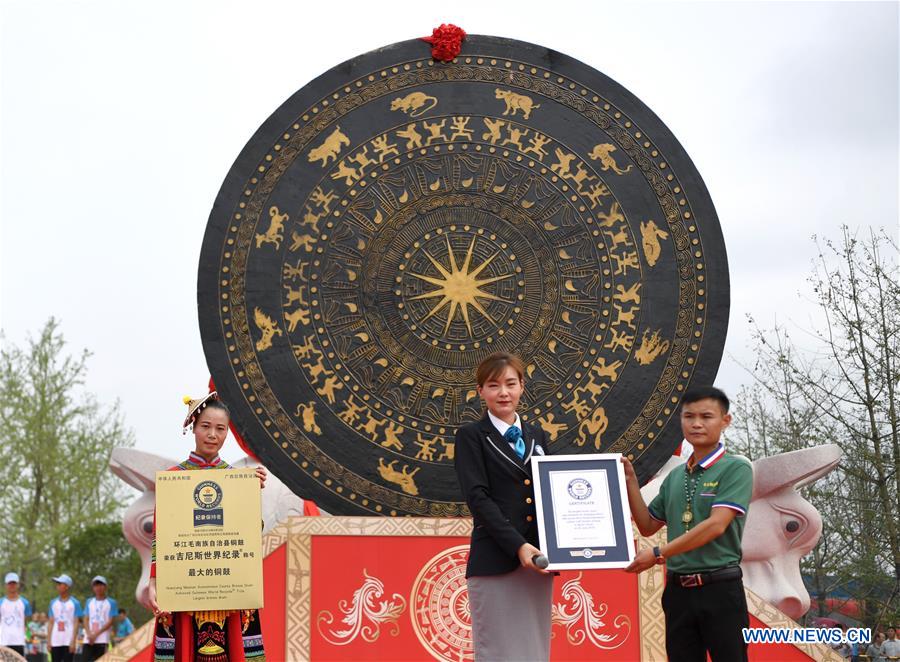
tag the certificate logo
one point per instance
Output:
(580, 489)
(208, 496)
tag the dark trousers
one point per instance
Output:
(705, 618)
(19, 649)
(61, 654)
(92, 652)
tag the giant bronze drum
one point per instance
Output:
(398, 219)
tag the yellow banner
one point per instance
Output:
(208, 540)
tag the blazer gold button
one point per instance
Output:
(529, 519)
(527, 481)
(528, 500)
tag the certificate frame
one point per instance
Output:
(603, 540)
(209, 540)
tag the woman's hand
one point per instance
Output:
(526, 555)
(261, 474)
(151, 598)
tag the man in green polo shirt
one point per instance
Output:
(703, 504)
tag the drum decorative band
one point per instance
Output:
(397, 219)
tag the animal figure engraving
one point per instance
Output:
(580, 177)
(625, 262)
(414, 103)
(275, 233)
(383, 148)
(413, 137)
(536, 145)
(650, 348)
(461, 128)
(370, 427)
(593, 388)
(304, 241)
(295, 317)
(620, 237)
(294, 296)
(307, 413)
(403, 478)
(332, 384)
(551, 428)
(516, 102)
(610, 371)
(631, 294)
(594, 428)
(351, 414)
(615, 216)
(602, 153)
(564, 161)
(650, 236)
(493, 130)
(515, 138)
(391, 436)
(623, 316)
(597, 191)
(329, 149)
(436, 129)
(344, 171)
(619, 340)
(267, 326)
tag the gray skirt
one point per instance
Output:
(511, 616)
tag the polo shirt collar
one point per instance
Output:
(201, 462)
(714, 456)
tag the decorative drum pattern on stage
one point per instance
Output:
(397, 219)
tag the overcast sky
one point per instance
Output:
(119, 121)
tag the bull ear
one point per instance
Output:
(138, 468)
(794, 469)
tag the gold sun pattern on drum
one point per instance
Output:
(460, 287)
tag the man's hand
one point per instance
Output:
(630, 475)
(72, 648)
(261, 474)
(526, 553)
(643, 561)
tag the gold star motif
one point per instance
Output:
(460, 287)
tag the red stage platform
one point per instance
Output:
(359, 588)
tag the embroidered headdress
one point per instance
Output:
(195, 407)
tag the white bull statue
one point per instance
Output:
(782, 527)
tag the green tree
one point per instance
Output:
(840, 385)
(55, 444)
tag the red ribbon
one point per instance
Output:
(445, 41)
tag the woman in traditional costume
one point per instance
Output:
(205, 636)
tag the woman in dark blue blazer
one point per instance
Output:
(509, 596)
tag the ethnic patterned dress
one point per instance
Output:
(213, 636)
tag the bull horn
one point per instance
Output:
(138, 468)
(794, 469)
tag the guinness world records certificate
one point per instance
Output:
(208, 540)
(584, 521)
